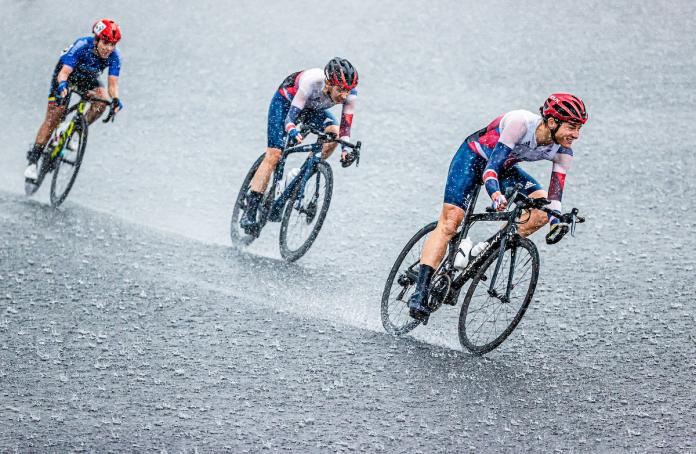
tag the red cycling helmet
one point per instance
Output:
(341, 73)
(564, 107)
(108, 30)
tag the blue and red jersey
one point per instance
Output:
(511, 138)
(305, 90)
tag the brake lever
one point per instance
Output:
(573, 218)
(356, 150)
(111, 116)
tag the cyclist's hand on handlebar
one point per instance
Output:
(556, 232)
(116, 105)
(295, 136)
(62, 90)
(499, 201)
(558, 227)
(347, 158)
(554, 220)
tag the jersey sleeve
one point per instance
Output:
(115, 63)
(561, 166)
(347, 115)
(511, 132)
(298, 102)
(72, 54)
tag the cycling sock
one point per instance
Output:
(424, 275)
(34, 153)
(253, 200)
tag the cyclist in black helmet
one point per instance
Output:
(304, 97)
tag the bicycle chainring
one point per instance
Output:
(439, 290)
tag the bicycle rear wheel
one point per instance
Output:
(303, 218)
(401, 283)
(487, 318)
(237, 234)
(67, 163)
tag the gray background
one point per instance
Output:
(604, 360)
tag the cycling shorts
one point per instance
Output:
(465, 173)
(81, 83)
(277, 112)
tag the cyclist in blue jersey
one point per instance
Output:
(304, 97)
(491, 156)
(80, 65)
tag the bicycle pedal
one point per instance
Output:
(420, 316)
(253, 231)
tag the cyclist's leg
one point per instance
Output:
(96, 109)
(531, 188)
(276, 135)
(54, 113)
(464, 174)
(324, 120)
(329, 148)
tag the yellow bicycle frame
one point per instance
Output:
(81, 107)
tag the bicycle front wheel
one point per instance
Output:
(401, 283)
(68, 163)
(305, 212)
(489, 316)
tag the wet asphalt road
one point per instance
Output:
(116, 337)
(127, 322)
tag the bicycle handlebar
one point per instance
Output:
(87, 97)
(331, 137)
(568, 220)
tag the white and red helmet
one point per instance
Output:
(107, 29)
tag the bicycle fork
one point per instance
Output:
(491, 288)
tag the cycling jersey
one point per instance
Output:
(305, 90)
(278, 111)
(465, 175)
(511, 138)
(86, 64)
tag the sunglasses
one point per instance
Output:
(340, 89)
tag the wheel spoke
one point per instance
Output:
(395, 312)
(486, 320)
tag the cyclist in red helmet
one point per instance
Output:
(80, 66)
(304, 97)
(491, 156)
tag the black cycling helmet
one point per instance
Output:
(341, 73)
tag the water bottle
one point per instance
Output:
(289, 176)
(461, 260)
(476, 250)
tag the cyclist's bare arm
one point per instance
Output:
(113, 89)
(63, 76)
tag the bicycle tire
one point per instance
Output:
(400, 309)
(286, 251)
(237, 235)
(58, 197)
(486, 269)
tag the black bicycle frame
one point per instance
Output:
(497, 242)
(302, 178)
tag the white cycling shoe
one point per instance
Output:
(31, 172)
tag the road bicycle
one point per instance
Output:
(63, 154)
(503, 275)
(300, 206)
